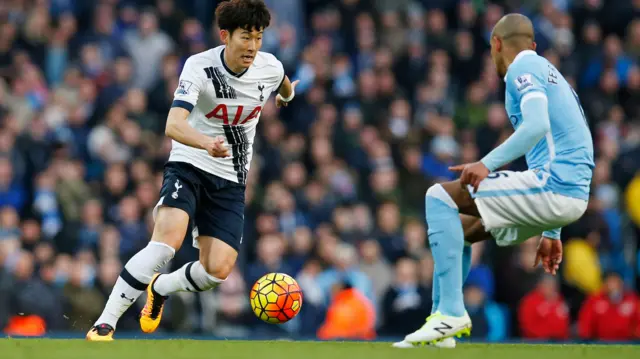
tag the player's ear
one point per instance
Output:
(498, 42)
(494, 42)
(224, 36)
(534, 46)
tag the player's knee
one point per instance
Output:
(217, 257)
(454, 194)
(207, 281)
(168, 234)
(438, 191)
(218, 266)
(170, 227)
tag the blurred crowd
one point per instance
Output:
(392, 92)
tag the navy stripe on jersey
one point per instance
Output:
(237, 139)
(227, 90)
(222, 88)
(216, 84)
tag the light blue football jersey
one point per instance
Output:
(566, 152)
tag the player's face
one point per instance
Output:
(243, 46)
(496, 55)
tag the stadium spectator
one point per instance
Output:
(350, 315)
(543, 313)
(480, 274)
(232, 308)
(11, 192)
(33, 297)
(489, 318)
(344, 268)
(517, 279)
(612, 314)
(147, 46)
(406, 301)
(376, 267)
(83, 300)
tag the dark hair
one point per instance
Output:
(245, 14)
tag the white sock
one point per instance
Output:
(133, 280)
(192, 277)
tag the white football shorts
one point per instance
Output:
(516, 206)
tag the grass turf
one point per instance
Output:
(196, 349)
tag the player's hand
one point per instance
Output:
(279, 101)
(549, 254)
(472, 174)
(217, 148)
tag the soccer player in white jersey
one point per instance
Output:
(212, 123)
(552, 132)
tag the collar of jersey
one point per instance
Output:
(520, 55)
(224, 64)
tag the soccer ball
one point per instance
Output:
(276, 298)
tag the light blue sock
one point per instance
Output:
(435, 287)
(446, 238)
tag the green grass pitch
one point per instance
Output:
(196, 349)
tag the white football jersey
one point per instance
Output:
(226, 104)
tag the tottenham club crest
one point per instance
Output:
(174, 195)
(261, 87)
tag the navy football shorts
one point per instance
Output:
(215, 205)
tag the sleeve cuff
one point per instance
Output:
(488, 163)
(554, 234)
(182, 104)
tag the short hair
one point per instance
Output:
(243, 14)
(514, 28)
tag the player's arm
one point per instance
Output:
(535, 122)
(185, 99)
(286, 91)
(178, 129)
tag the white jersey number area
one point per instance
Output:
(223, 103)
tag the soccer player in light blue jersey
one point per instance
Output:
(552, 133)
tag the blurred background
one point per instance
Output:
(392, 92)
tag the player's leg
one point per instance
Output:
(444, 206)
(220, 221)
(216, 261)
(171, 222)
(473, 232)
(513, 206)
